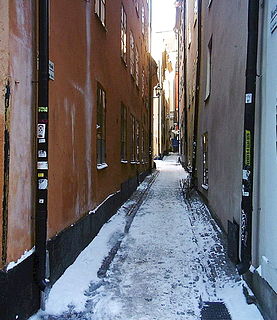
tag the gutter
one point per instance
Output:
(42, 150)
(248, 139)
(150, 90)
(197, 87)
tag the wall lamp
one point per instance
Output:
(158, 89)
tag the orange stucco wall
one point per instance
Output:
(85, 53)
(4, 63)
(20, 122)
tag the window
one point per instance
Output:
(100, 10)
(133, 138)
(142, 83)
(137, 66)
(137, 141)
(137, 6)
(123, 132)
(195, 12)
(143, 155)
(101, 125)
(205, 161)
(209, 70)
(123, 34)
(142, 20)
(132, 54)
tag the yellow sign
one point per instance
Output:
(247, 147)
(40, 175)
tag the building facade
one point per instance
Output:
(164, 102)
(74, 146)
(228, 127)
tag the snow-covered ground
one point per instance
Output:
(168, 264)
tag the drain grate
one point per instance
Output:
(214, 311)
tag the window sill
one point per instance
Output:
(123, 62)
(207, 97)
(100, 21)
(205, 186)
(101, 166)
(124, 161)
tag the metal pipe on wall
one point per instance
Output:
(42, 148)
(248, 141)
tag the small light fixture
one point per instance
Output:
(158, 90)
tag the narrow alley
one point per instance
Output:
(170, 263)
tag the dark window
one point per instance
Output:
(137, 66)
(123, 132)
(142, 20)
(205, 160)
(209, 70)
(132, 54)
(137, 142)
(101, 125)
(123, 34)
(100, 10)
(133, 138)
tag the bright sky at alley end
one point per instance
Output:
(163, 15)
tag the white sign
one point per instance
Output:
(42, 154)
(41, 130)
(42, 184)
(43, 165)
(248, 98)
(51, 70)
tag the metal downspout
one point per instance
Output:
(42, 150)
(248, 141)
(196, 111)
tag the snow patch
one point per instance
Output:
(102, 166)
(111, 195)
(25, 255)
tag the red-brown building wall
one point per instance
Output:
(84, 53)
(17, 115)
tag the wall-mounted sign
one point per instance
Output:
(248, 98)
(41, 130)
(42, 165)
(51, 70)
(42, 154)
(273, 19)
(42, 184)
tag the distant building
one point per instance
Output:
(227, 100)
(165, 123)
(74, 147)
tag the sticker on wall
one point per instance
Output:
(41, 130)
(248, 98)
(247, 147)
(41, 140)
(41, 201)
(42, 165)
(42, 154)
(42, 184)
(42, 109)
(245, 174)
(51, 66)
(41, 175)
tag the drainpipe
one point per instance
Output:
(197, 85)
(248, 141)
(150, 91)
(42, 150)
